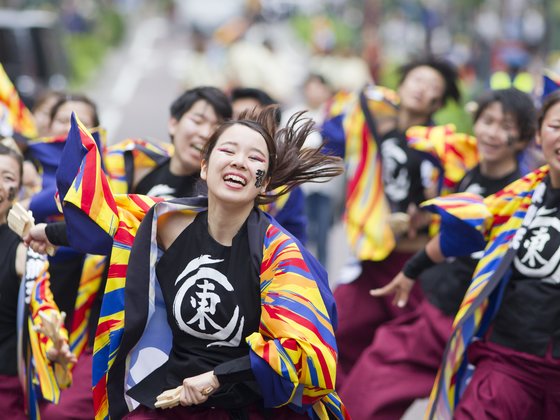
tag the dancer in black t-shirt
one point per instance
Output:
(12, 268)
(516, 350)
(385, 175)
(402, 361)
(12, 262)
(217, 284)
(194, 115)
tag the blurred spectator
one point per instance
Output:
(201, 67)
(247, 99)
(42, 110)
(321, 199)
(514, 73)
(84, 108)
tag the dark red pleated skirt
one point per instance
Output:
(359, 314)
(76, 402)
(11, 398)
(399, 366)
(190, 413)
(509, 384)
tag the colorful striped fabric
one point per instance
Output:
(47, 152)
(495, 220)
(367, 208)
(92, 274)
(19, 117)
(551, 83)
(144, 155)
(295, 337)
(42, 301)
(457, 152)
(42, 379)
(97, 221)
(111, 320)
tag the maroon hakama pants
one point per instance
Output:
(11, 398)
(399, 366)
(359, 314)
(508, 384)
(76, 402)
(193, 413)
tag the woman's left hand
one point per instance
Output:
(62, 354)
(197, 389)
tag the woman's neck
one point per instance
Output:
(225, 221)
(497, 170)
(554, 178)
(178, 168)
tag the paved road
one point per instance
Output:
(137, 83)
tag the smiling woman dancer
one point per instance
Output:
(250, 316)
(220, 300)
(12, 263)
(12, 267)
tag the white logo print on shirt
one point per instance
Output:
(395, 173)
(162, 190)
(204, 279)
(530, 260)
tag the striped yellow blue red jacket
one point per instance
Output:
(294, 291)
(130, 156)
(470, 223)
(42, 379)
(367, 208)
(20, 119)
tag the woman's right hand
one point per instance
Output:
(37, 239)
(197, 389)
(401, 286)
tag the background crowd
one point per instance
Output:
(417, 99)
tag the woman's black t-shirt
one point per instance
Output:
(529, 316)
(406, 172)
(162, 183)
(9, 287)
(445, 284)
(212, 297)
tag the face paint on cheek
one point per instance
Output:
(511, 140)
(260, 178)
(11, 194)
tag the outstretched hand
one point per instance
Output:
(401, 286)
(62, 354)
(50, 327)
(37, 240)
